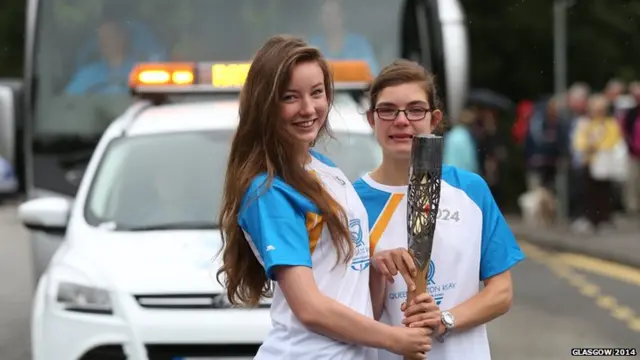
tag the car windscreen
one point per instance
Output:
(175, 181)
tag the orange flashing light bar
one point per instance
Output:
(185, 77)
(350, 71)
(162, 74)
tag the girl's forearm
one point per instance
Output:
(337, 321)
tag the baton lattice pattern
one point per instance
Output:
(423, 200)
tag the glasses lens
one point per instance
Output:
(416, 114)
(387, 114)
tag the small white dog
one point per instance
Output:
(538, 207)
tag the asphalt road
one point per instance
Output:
(15, 287)
(562, 302)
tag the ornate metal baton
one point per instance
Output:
(423, 199)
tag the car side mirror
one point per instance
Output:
(49, 215)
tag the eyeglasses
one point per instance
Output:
(413, 114)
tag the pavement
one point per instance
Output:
(620, 244)
(562, 301)
(16, 287)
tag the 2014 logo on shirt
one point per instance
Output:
(448, 215)
(360, 261)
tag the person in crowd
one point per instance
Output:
(598, 134)
(613, 91)
(575, 114)
(472, 239)
(543, 144)
(292, 222)
(524, 111)
(460, 147)
(631, 132)
(492, 153)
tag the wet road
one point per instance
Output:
(563, 301)
(15, 287)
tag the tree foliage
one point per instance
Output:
(12, 20)
(512, 43)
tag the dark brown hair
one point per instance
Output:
(262, 144)
(402, 72)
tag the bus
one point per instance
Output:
(79, 54)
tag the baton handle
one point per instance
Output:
(421, 287)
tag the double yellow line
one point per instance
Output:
(564, 265)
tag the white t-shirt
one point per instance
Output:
(283, 228)
(472, 243)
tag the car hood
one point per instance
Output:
(157, 262)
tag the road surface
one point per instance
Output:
(562, 301)
(15, 287)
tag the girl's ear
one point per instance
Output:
(436, 117)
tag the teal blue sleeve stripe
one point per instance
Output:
(274, 217)
(499, 249)
(374, 200)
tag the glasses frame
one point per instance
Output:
(406, 114)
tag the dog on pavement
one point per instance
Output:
(539, 207)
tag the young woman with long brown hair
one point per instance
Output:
(292, 222)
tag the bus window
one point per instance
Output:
(110, 72)
(80, 91)
(337, 41)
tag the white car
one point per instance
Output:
(135, 276)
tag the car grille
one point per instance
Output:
(106, 352)
(170, 352)
(187, 301)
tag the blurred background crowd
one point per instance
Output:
(583, 145)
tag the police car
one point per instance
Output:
(135, 276)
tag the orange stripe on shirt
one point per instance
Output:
(383, 220)
(314, 224)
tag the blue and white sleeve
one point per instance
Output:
(275, 227)
(500, 250)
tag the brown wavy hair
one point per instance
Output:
(262, 144)
(402, 72)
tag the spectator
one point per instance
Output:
(542, 145)
(492, 152)
(600, 133)
(577, 101)
(524, 111)
(613, 91)
(460, 148)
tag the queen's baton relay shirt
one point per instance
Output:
(472, 243)
(284, 228)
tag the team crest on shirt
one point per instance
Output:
(360, 260)
(437, 290)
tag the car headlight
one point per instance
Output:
(81, 298)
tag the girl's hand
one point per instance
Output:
(423, 312)
(389, 263)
